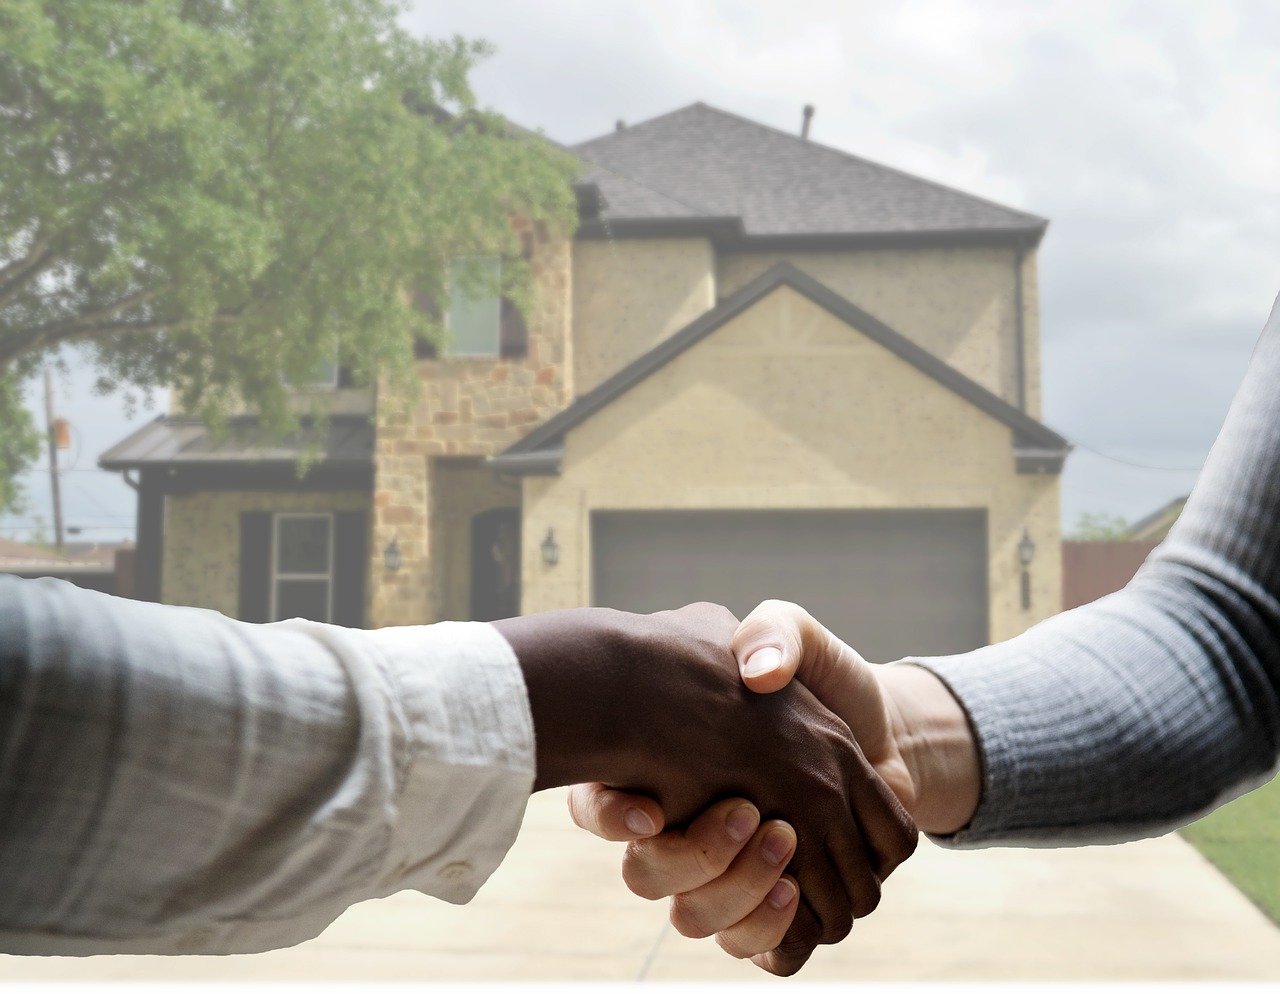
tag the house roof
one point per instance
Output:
(702, 162)
(174, 442)
(1155, 526)
(1037, 448)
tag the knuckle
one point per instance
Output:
(784, 965)
(795, 950)
(685, 919)
(908, 840)
(639, 879)
(867, 900)
(729, 943)
(837, 926)
(575, 801)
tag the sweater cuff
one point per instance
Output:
(987, 685)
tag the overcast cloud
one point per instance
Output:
(1149, 135)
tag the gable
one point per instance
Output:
(818, 325)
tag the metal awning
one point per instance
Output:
(347, 443)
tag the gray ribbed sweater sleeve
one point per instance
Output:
(1137, 713)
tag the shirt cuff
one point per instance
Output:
(469, 762)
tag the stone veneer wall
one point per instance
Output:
(465, 406)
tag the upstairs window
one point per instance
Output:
(474, 318)
(480, 321)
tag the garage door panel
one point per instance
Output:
(891, 583)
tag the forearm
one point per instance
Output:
(1138, 712)
(172, 780)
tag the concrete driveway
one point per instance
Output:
(557, 910)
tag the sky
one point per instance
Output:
(1148, 134)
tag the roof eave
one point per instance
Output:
(1027, 433)
(540, 462)
(729, 234)
(1040, 461)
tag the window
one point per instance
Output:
(474, 318)
(328, 375)
(479, 321)
(302, 567)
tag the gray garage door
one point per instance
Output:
(891, 583)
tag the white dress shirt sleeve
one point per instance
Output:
(174, 781)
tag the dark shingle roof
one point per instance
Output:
(702, 162)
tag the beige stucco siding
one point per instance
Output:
(956, 302)
(787, 407)
(202, 540)
(629, 294)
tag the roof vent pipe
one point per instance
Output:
(808, 119)
(620, 125)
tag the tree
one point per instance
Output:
(220, 196)
(1099, 526)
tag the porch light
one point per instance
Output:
(391, 555)
(550, 549)
(1026, 549)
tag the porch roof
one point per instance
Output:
(346, 443)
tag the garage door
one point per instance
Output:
(890, 583)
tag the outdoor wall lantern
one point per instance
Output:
(391, 554)
(550, 549)
(1026, 553)
(1026, 549)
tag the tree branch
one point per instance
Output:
(17, 274)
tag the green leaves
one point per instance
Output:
(218, 194)
(19, 441)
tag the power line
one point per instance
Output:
(1132, 462)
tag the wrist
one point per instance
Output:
(933, 735)
(575, 670)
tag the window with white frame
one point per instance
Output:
(302, 567)
(474, 317)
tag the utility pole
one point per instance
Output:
(53, 458)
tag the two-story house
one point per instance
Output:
(762, 367)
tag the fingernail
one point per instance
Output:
(762, 661)
(776, 846)
(741, 823)
(639, 822)
(781, 894)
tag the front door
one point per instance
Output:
(495, 564)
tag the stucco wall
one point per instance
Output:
(786, 407)
(201, 565)
(629, 294)
(956, 302)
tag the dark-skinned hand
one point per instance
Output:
(654, 704)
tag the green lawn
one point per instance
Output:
(1243, 841)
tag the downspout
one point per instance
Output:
(1020, 331)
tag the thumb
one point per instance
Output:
(780, 641)
(770, 645)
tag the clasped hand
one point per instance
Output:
(648, 714)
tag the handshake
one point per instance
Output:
(790, 802)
